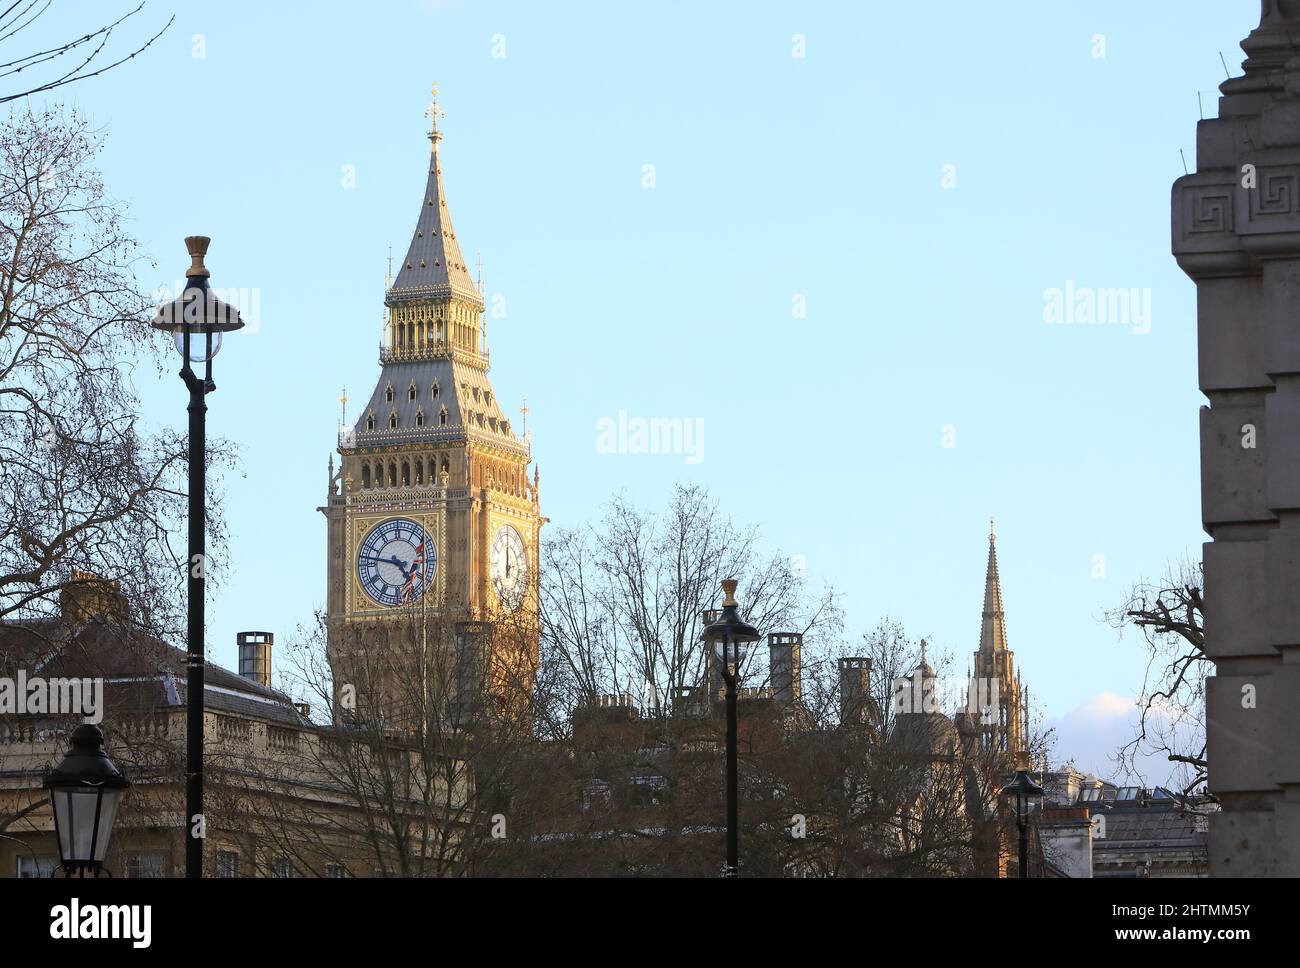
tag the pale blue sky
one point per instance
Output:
(775, 176)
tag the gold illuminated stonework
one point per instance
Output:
(432, 446)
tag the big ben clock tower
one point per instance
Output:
(433, 523)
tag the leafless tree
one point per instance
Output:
(428, 727)
(622, 601)
(87, 493)
(62, 61)
(879, 791)
(1170, 613)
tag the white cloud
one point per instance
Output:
(1090, 734)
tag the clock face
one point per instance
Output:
(396, 562)
(509, 567)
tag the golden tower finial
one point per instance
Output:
(434, 113)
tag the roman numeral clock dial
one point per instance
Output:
(396, 562)
(509, 567)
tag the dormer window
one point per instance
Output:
(370, 421)
(410, 392)
(419, 417)
(392, 420)
(442, 417)
(433, 390)
(388, 394)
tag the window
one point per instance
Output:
(227, 863)
(370, 422)
(442, 417)
(145, 864)
(648, 791)
(419, 417)
(392, 420)
(433, 390)
(410, 393)
(388, 394)
(280, 867)
(595, 795)
(365, 475)
(379, 475)
(335, 871)
(39, 866)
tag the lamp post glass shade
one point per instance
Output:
(85, 791)
(729, 635)
(1022, 789)
(203, 346)
(196, 312)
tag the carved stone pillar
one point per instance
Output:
(1236, 233)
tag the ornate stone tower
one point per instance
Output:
(995, 663)
(432, 519)
(1236, 233)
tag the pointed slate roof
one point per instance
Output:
(473, 410)
(434, 267)
(993, 630)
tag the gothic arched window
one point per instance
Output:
(370, 421)
(433, 390)
(365, 476)
(442, 418)
(379, 474)
(410, 391)
(406, 474)
(388, 394)
(419, 417)
(392, 420)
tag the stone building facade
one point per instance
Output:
(1236, 233)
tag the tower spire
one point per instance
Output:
(434, 267)
(993, 630)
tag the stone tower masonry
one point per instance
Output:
(1236, 233)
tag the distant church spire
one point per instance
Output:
(994, 661)
(993, 630)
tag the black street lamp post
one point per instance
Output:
(85, 790)
(1022, 789)
(196, 319)
(730, 637)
